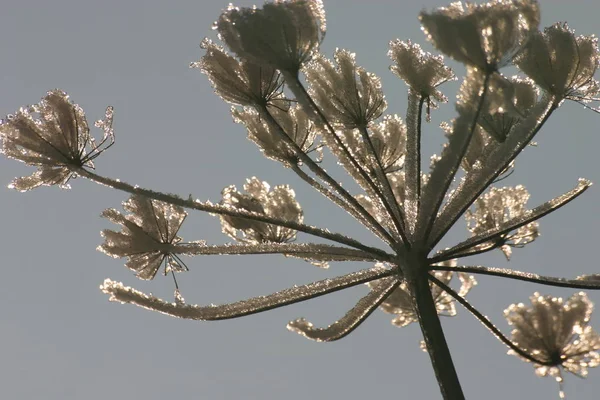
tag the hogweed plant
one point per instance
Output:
(295, 102)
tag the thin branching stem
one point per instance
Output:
(304, 98)
(367, 222)
(238, 309)
(522, 276)
(301, 249)
(427, 217)
(224, 210)
(386, 188)
(353, 206)
(486, 322)
(412, 163)
(452, 211)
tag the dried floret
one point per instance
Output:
(293, 122)
(348, 95)
(556, 334)
(486, 36)
(283, 34)
(241, 82)
(494, 209)
(148, 237)
(561, 63)
(279, 202)
(54, 137)
(422, 71)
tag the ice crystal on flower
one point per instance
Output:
(260, 199)
(148, 236)
(56, 142)
(555, 333)
(494, 209)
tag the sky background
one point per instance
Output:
(61, 339)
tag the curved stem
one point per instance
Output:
(486, 322)
(522, 276)
(125, 294)
(224, 210)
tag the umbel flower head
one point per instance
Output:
(54, 137)
(423, 72)
(494, 209)
(283, 34)
(556, 334)
(148, 237)
(561, 63)
(280, 202)
(242, 83)
(293, 122)
(486, 36)
(350, 96)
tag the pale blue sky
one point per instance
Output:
(61, 339)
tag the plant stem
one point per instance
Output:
(433, 334)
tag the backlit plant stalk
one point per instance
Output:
(339, 106)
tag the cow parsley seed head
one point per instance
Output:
(422, 71)
(561, 63)
(148, 237)
(259, 198)
(54, 137)
(556, 333)
(284, 34)
(348, 95)
(486, 36)
(240, 82)
(494, 209)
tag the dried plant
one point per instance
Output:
(295, 102)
